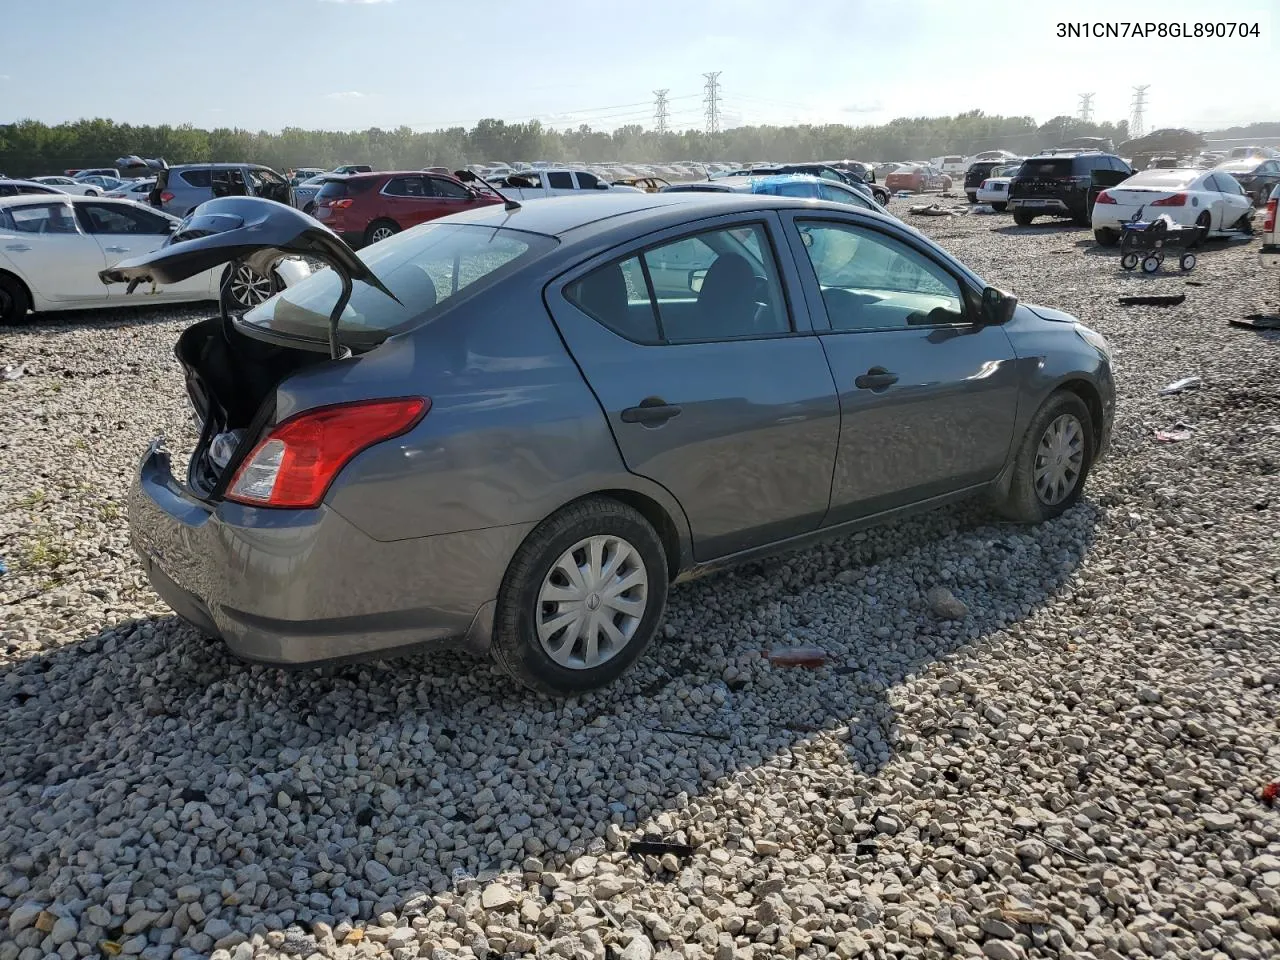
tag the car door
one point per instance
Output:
(928, 399)
(448, 196)
(124, 231)
(722, 395)
(1235, 202)
(48, 250)
(559, 183)
(408, 200)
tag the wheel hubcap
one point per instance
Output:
(591, 602)
(382, 233)
(249, 288)
(1059, 459)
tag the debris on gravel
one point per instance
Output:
(1024, 741)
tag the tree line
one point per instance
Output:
(30, 147)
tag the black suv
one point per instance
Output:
(979, 171)
(1063, 184)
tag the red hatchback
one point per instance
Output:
(367, 207)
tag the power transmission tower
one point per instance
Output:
(660, 110)
(1136, 129)
(712, 100)
(1086, 107)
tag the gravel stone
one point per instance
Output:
(1025, 742)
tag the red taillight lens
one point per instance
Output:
(338, 204)
(1177, 200)
(166, 197)
(295, 464)
(1105, 197)
(1269, 223)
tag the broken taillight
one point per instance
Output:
(166, 197)
(1269, 223)
(339, 204)
(1177, 200)
(294, 465)
(1105, 197)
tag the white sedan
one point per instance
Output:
(67, 185)
(995, 189)
(53, 247)
(137, 190)
(1214, 202)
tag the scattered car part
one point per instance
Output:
(1171, 300)
(1256, 321)
(1181, 386)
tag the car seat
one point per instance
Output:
(603, 294)
(727, 301)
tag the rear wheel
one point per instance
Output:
(1203, 223)
(14, 301)
(999, 206)
(1052, 462)
(91, 193)
(380, 230)
(1022, 218)
(582, 598)
(1106, 237)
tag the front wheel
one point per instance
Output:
(999, 206)
(1053, 461)
(1203, 223)
(582, 598)
(1129, 261)
(249, 288)
(1106, 237)
(1022, 218)
(91, 193)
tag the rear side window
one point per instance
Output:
(560, 181)
(405, 187)
(617, 297)
(587, 181)
(197, 178)
(44, 218)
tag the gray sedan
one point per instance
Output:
(570, 406)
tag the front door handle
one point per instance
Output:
(117, 249)
(18, 247)
(652, 412)
(877, 378)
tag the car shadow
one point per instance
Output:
(1039, 229)
(437, 767)
(53, 323)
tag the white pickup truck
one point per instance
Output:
(540, 184)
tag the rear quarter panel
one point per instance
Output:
(513, 432)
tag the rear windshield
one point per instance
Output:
(333, 190)
(1162, 178)
(197, 178)
(1049, 167)
(423, 267)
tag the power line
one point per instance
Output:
(660, 110)
(1086, 107)
(1136, 128)
(712, 100)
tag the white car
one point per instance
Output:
(67, 185)
(1214, 202)
(995, 189)
(53, 247)
(135, 190)
(1269, 255)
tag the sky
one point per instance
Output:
(354, 64)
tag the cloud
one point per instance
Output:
(346, 95)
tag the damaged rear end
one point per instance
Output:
(242, 542)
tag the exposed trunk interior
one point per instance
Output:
(231, 379)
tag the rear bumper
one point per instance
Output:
(1269, 256)
(1039, 205)
(300, 587)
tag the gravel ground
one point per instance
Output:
(1070, 769)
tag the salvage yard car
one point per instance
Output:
(1269, 255)
(994, 189)
(1257, 176)
(1207, 199)
(52, 249)
(1063, 184)
(516, 427)
(365, 208)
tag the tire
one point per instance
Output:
(380, 230)
(249, 288)
(91, 193)
(1150, 264)
(972, 197)
(1024, 501)
(1106, 237)
(1081, 219)
(1000, 206)
(1187, 262)
(516, 644)
(1022, 218)
(1129, 261)
(310, 209)
(1204, 222)
(14, 301)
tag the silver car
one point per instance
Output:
(514, 428)
(185, 186)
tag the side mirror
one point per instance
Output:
(997, 307)
(695, 280)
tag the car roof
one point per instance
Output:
(75, 199)
(638, 212)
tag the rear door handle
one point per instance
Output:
(877, 378)
(117, 249)
(652, 412)
(18, 247)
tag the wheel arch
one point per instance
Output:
(1092, 398)
(26, 287)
